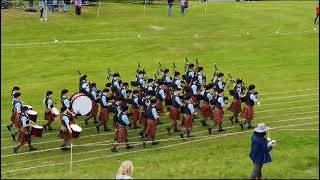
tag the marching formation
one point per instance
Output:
(140, 106)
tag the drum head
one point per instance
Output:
(55, 111)
(81, 104)
(29, 107)
(31, 112)
(37, 127)
(76, 127)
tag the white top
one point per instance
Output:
(120, 176)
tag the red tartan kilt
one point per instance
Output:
(143, 122)
(152, 125)
(49, 116)
(206, 110)
(122, 135)
(248, 113)
(23, 138)
(65, 134)
(159, 106)
(174, 113)
(218, 115)
(236, 106)
(135, 115)
(104, 115)
(187, 121)
(94, 110)
(16, 120)
(194, 99)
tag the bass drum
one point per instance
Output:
(81, 104)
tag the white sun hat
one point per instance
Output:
(261, 128)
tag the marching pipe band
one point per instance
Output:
(141, 106)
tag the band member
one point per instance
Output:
(251, 100)
(65, 101)
(14, 90)
(123, 93)
(236, 103)
(104, 113)
(84, 86)
(190, 73)
(176, 80)
(167, 81)
(17, 109)
(24, 131)
(95, 100)
(160, 95)
(205, 107)
(219, 84)
(166, 78)
(65, 130)
(135, 108)
(141, 80)
(195, 92)
(115, 84)
(150, 86)
(121, 132)
(152, 117)
(143, 117)
(201, 79)
(48, 114)
(218, 111)
(187, 121)
(175, 110)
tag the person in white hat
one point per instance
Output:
(260, 149)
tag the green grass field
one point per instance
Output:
(283, 66)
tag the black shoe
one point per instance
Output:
(13, 137)
(154, 143)
(221, 130)
(168, 129)
(98, 129)
(181, 135)
(106, 129)
(32, 149)
(250, 127)
(50, 129)
(114, 150)
(45, 128)
(64, 147)
(86, 122)
(141, 134)
(95, 122)
(9, 128)
(143, 144)
(129, 146)
(210, 131)
(231, 120)
(176, 130)
(15, 150)
(241, 125)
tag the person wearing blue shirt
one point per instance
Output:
(260, 148)
(104, 113)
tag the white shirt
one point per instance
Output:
(191, 108)
(49, 103)
(220, 84)
(104, 100)
(168, 79)
(116, 84)
(220, 100)
(253, 98)
(177, 99)
(124, 93)
(18, 107)
(66, 102)
(200, 78)
(191, 74)
(125, 119)
(136, 100)
(155, 113)
(209, 96)
(24, 120)
(120, 176)
(178, 83)
(161, 92)
(85, 86)
(194, 89)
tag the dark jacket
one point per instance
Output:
(170, 2)
(259, 150)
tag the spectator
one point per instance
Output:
(317, 14)
(183, 6)
(260, 149)
(170, 3)
(125, 171)
(42, 9)
(78, 4)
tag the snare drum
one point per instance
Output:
(28, 106)
(81, 104)
(76, 130)
(32, 115)
(36, 131)
(55, 111)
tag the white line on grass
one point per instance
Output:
(299, 107)
(142, 150)
(297, 129)
(303, 95)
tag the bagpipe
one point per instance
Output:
(109, 74)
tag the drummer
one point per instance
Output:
(84, 86)
(94, 111)
(48, 114)
(104, 113)
(17, 108)
(14, 90)
(25, 130)
(65, 101)
(65, 130)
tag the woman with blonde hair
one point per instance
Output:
(125, 171)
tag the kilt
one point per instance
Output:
(236, 106)
(143, 121)
(94, 110)
(152, 125)
(174, 113)
(16, 120)
(187, 121)
(135, 115)
(64, 134)
(104, 115)
(49, 116)
(206, 110)
(23, 137)
(218, 115)
(159, 106)
(121, 134)
(248, 113)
